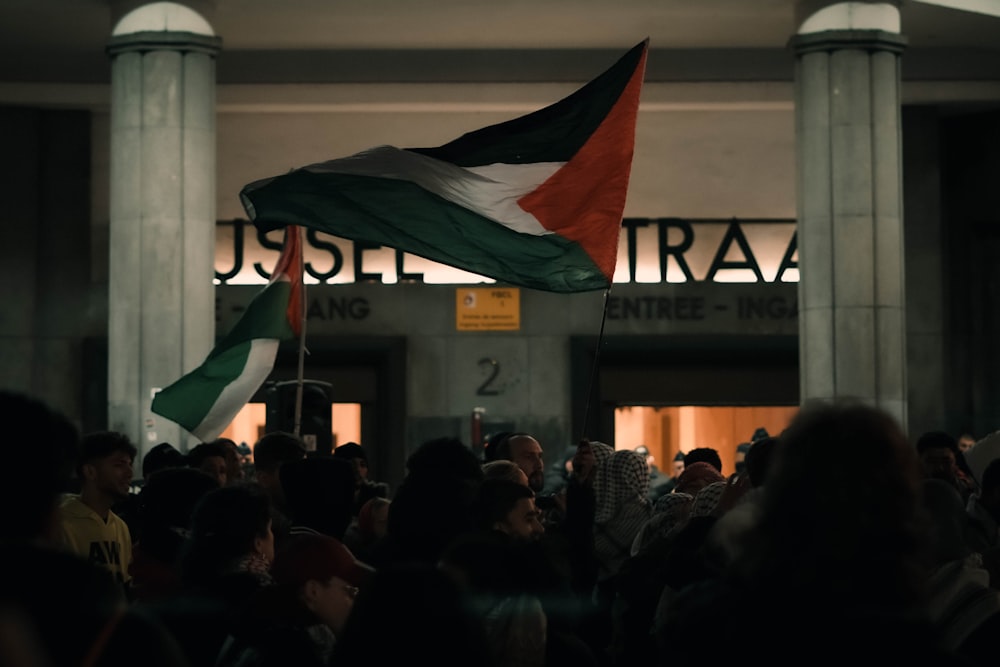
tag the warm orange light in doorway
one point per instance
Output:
(249, 423)
(667, 430)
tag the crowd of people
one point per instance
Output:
(887, 550)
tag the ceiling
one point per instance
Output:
(309, 40)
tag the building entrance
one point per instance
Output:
(676, 393)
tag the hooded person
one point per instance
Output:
(697, 476)
(623, 507)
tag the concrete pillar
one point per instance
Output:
(162, 212)
(852, 320)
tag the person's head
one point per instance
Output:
(234, 460)
(269, 453)
(508, 507)
(938, 452)
(323, 575)
(623, 480)
(105, 465)
(228, 524)
(643, 450)
(353, 452)
(444, 458)
(829, 506)
(161, 457)
(965, 441)
(373, 519)
(697, 476)
(704, 455)
(210, 458)
(678, 464)
(526, 452)
(42, 462)
(503, 469)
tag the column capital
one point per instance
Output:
(163, 40)
(836, 40)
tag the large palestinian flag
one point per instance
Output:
(536, 201)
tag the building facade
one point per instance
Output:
(112, 296)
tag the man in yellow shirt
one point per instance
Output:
(88, 527)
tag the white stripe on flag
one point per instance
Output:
(490, 190)
(236, 394)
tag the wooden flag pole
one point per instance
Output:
(302, 338)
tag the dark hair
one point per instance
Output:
(495, 499)
(828, 507)
(161, 457)
(98, 445)
(937, 440)
(204, 451)
(492, 444)
(42, 459)
(704, 454)
(350, 450)
(444, 457)
(276, 448)
(502, 449)
(225, 524)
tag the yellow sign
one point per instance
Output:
(488, 309)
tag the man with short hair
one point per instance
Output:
(526, 452)
(704, 455)
(161, 457)
(508, 507)
(269, 454)
(210, 458)
(938, 452)
(88, 527)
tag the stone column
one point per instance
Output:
(162, 213)
(852, 322)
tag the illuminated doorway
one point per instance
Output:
(248, 426)
(668, 430)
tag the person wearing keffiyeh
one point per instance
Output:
(622, 508)
(669, 513)
(697, 476)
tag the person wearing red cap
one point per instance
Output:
(297, 619)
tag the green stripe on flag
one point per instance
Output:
(402, 215)
(191, 398)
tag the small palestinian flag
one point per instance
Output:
(207, 399)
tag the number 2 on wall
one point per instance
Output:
(484, 388)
